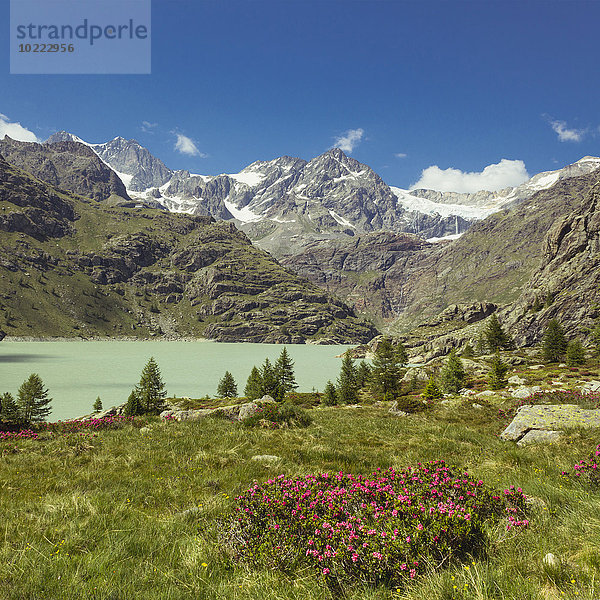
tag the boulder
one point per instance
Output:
(525, 392)
(537, 436)
(550, 419)
(268, 458)
(516, 380)
(248, 410)
(395, 411)
(591, 386)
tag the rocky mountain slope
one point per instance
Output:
(73, 267)
(67, 165)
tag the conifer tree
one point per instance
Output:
(596, 337)
(97, 405)
(363, 373)
(269, 382)
(253, 389)
(133, 406)
(495, 337)
(329, 395)
(453, 375)
(347, 387)
(386, 372)
(497, 374)
(284, 372)
(575, 353)
(10, 410)
(151, 389)
(431, 391)
(467, 351)
(227, 387)
(554, 343)
(33, 400)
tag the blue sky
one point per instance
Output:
(401, 86)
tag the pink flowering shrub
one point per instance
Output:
(588, 470)
(70, 427)
(378, 529)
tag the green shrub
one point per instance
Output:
(378, 530)
(410, 404)
(431, 391)
(280, 415)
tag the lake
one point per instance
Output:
(76, 372)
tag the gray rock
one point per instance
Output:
(536, 367)
(486, 393)
(248, 410)
(268, 458)
(549, 418)
(395, 411)
(145, 430)
(552, 561)
(516, 380)
(525, 392)
(266, 400)
(591, 386)
(539, 436)
(477, 406)
(187, 415)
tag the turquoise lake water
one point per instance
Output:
(77, 372)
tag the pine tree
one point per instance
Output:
(453, 374)
(431, 391)
(386, 372)
(575, 353)
(554, 343)
(97, 405)
(227, 387)
(596, 337)
(329, 395)
(497, 374)
(284, 372)
(495, 337)
(10, 410)
(363, 373)
(133, 406)
(347, 386)
(269, 382)
(253, 389)
(467, 351)
(151, 389)
(33, 400)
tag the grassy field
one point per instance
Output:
(105, 517)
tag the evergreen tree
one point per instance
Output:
(554, 343)
(431, 391)
(386, 372)
(33, 400)
(495, 337)
(253, 389)
(151, 389)
(227, 387)
(453, 374)
(97, 405)
(363, 373)
(467, 351)
(284, 372)
(347, 386)
(329, 395)
(269, 382)
(575, 353)
(497, 374)
(10, 409)
(133, 406)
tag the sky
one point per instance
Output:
(450, 95)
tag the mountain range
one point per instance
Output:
(287, 203)
(335, 222)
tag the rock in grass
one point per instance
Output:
(549, 418)
(525, 392)
(552, 561)
(267, 458)
(395, 411)
(516, 380)
(539, 436)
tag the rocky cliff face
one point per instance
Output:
(67, 165)
(82, 268)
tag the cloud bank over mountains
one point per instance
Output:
(506, 173)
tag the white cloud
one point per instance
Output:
(147, 127)
(16, 131)
(565, 134)
(506, 173)
(400, 155)
(186, 145)
(349, 140)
